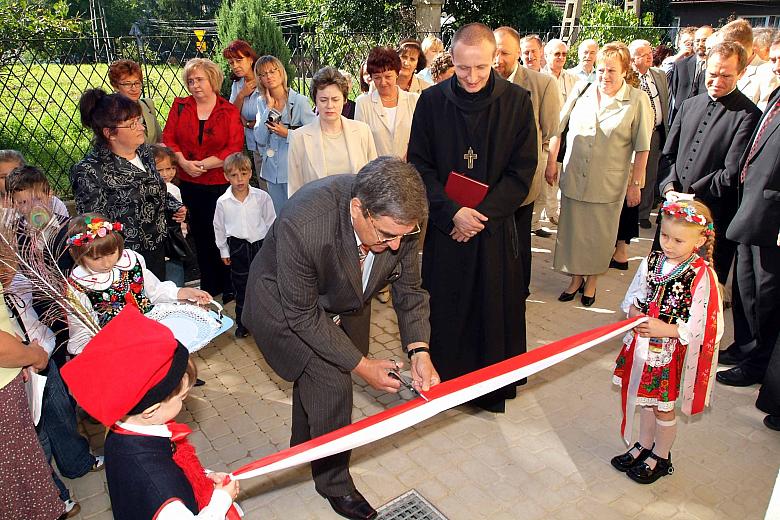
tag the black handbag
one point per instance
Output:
(562, 140)
(176, 245)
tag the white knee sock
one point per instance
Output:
(665, 433)
(646, 426)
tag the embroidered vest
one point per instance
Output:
(673, 295)
(108, 302)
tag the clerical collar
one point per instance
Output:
(484, 93)
(722, 97)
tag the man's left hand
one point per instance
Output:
(424, 376)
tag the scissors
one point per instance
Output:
(405, 381)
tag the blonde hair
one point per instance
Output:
(432, 43)
(274, 61)
(620, 51)
(707, 230)
(211, 69)
(237, 161)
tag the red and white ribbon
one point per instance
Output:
(441, 397)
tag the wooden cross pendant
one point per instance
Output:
(470, 157)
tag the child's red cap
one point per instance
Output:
(131, 364)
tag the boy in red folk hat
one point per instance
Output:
(135, 384)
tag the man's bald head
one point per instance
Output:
(473, 35)
(510, 32)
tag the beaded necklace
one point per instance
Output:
(659, 278)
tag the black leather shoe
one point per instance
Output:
(199, 382)
(645, 223)
(772, 422)
(567, 297)
(644, 475)
(352, 506)
(241, 332)
(587, 301)
(736, 377)
(620, 266)
(627, 461)
(227, 298)
(731, 357)
(541, 233)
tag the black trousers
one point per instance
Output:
(769, 395)
(242, 253)
(759, 285)
(201, 202)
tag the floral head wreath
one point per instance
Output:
(680, 205)
(96, 228)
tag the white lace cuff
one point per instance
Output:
(683, 332)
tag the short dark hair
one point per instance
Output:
(411, 43)
(472, 34)
(390, 187)
(160, 152)
(101, 111)
(327, 76)
(728, 49)
(382, 59)
(26, 178)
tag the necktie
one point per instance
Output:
(362, 254)
(646, 87)
(697, 77)
(770, 114)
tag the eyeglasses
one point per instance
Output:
(131, 84)
(379, 234)
(268, 73)
(560, 54)
(137, 122)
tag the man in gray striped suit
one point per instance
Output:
(338, 241)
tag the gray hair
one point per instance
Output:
(390, 187)
(12, 156)
(636, 44)
(553, 42)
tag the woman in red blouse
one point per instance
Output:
(202, 130)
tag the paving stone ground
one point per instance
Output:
(547, 457)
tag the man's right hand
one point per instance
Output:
(468, 222)
(374, 372)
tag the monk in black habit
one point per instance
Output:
(481, 126)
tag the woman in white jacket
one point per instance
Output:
(387, 109)
(331, 144)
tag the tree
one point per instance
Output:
(37, 19)
(383, 18)
(120, 14)
(523, 15)
(605, 22)
(248, 20)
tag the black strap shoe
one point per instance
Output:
(353, 506)
(642, 473)
(627, 461)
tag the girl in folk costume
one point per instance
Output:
(107, 277)
(673, 354)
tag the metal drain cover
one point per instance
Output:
(409, 506)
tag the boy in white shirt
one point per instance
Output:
(243, 216)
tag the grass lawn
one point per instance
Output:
(39, 111)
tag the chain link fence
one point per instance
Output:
(41, 83)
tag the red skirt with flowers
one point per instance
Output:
(661, 374)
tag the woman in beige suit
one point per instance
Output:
(331, 144)
(412, 62)
(387, 109)
(608, 124)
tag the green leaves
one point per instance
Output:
(38, 19)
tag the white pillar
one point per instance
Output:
(428, 16)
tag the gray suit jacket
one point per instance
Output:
(662, 84)
(546, 100)
(308, 271)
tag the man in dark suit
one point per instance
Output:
(686, 79)
(338, 242)
(756, 227)
(706, 142)
(653, 82)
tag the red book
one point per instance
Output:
(464, 190)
